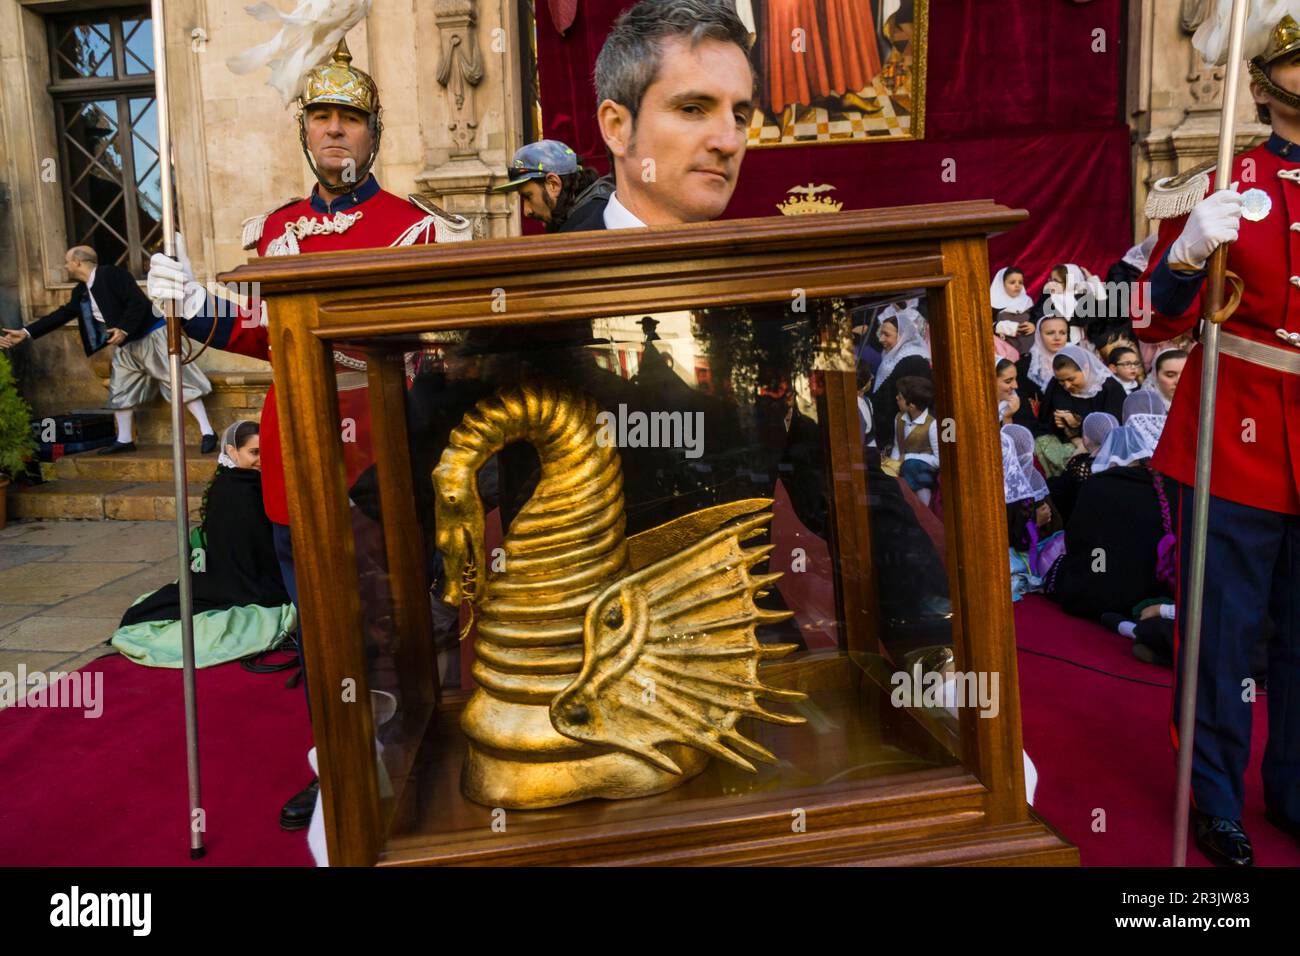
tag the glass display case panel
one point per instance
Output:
(694, 410)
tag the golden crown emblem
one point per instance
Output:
(1284, 40)
(806, 200)
(340, 83)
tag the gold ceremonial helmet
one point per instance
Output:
(339, 83)
(1283, 41)
(342, 84)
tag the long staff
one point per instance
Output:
(197, 818)
(1213, 303)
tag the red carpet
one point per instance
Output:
(111, 791)
(1101, 743)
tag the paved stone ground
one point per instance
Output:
(64, 586)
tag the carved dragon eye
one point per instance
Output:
(577, 713)
(614, 617)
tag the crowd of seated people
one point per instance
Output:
(1082, 406)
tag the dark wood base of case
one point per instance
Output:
(907, 801)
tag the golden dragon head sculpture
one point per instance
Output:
(607, 667)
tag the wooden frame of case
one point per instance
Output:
(973, 813)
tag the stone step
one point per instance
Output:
(147, 463)
(155, 428)
(112, 500)
(235, 395)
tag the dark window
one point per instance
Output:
(102, 85)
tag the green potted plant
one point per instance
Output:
(16, 442)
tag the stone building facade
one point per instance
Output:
(449, 75)
(1174, 98)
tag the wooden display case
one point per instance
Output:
(864, 781)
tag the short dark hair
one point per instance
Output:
(571, 187)
(630, 59)
(1167, 356)
(244, 432)
(917, 390)
(1114, 355)
(1003, 365)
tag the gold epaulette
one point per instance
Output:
(448, 227)
(254, 225)
(1174, 196)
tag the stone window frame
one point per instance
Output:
(120, 87)
(35, 204)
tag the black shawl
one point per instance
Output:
(240, 566)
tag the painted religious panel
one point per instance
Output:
(837, 71)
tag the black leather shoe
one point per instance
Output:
(1223, 841)
(118, 447)
(296, 814)
(1282, 822)
(209, 444)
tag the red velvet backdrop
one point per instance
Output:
(1015, 94)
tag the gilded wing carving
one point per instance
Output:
(670, 655)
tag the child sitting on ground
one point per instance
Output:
(1126, 365)
(916, 438)
(1034, 528)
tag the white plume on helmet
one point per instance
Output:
(306, 39)
(1211, 37)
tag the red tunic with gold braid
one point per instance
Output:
(1257, 412)
(367, 218)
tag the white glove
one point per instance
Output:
(1214, 221)
(173, 279)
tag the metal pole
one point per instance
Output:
(197, 821)
(1205, 451)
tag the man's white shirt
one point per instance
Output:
(617, 216)
(94, 306)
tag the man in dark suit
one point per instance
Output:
(676, 134)
(110, 296)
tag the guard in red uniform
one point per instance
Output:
(1252, 572)
(340, 129)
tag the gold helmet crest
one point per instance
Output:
(340, 83)
(1284, 40)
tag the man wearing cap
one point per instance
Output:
(340, 129)
(1252, 567)
(675, 88)
(553, 184)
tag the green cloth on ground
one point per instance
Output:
(219, 636)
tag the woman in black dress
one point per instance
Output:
(240, 603)
(1034, 370)
(1081, 385)
(1012, 409)
(904, 352)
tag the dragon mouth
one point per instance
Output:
(469, 576)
